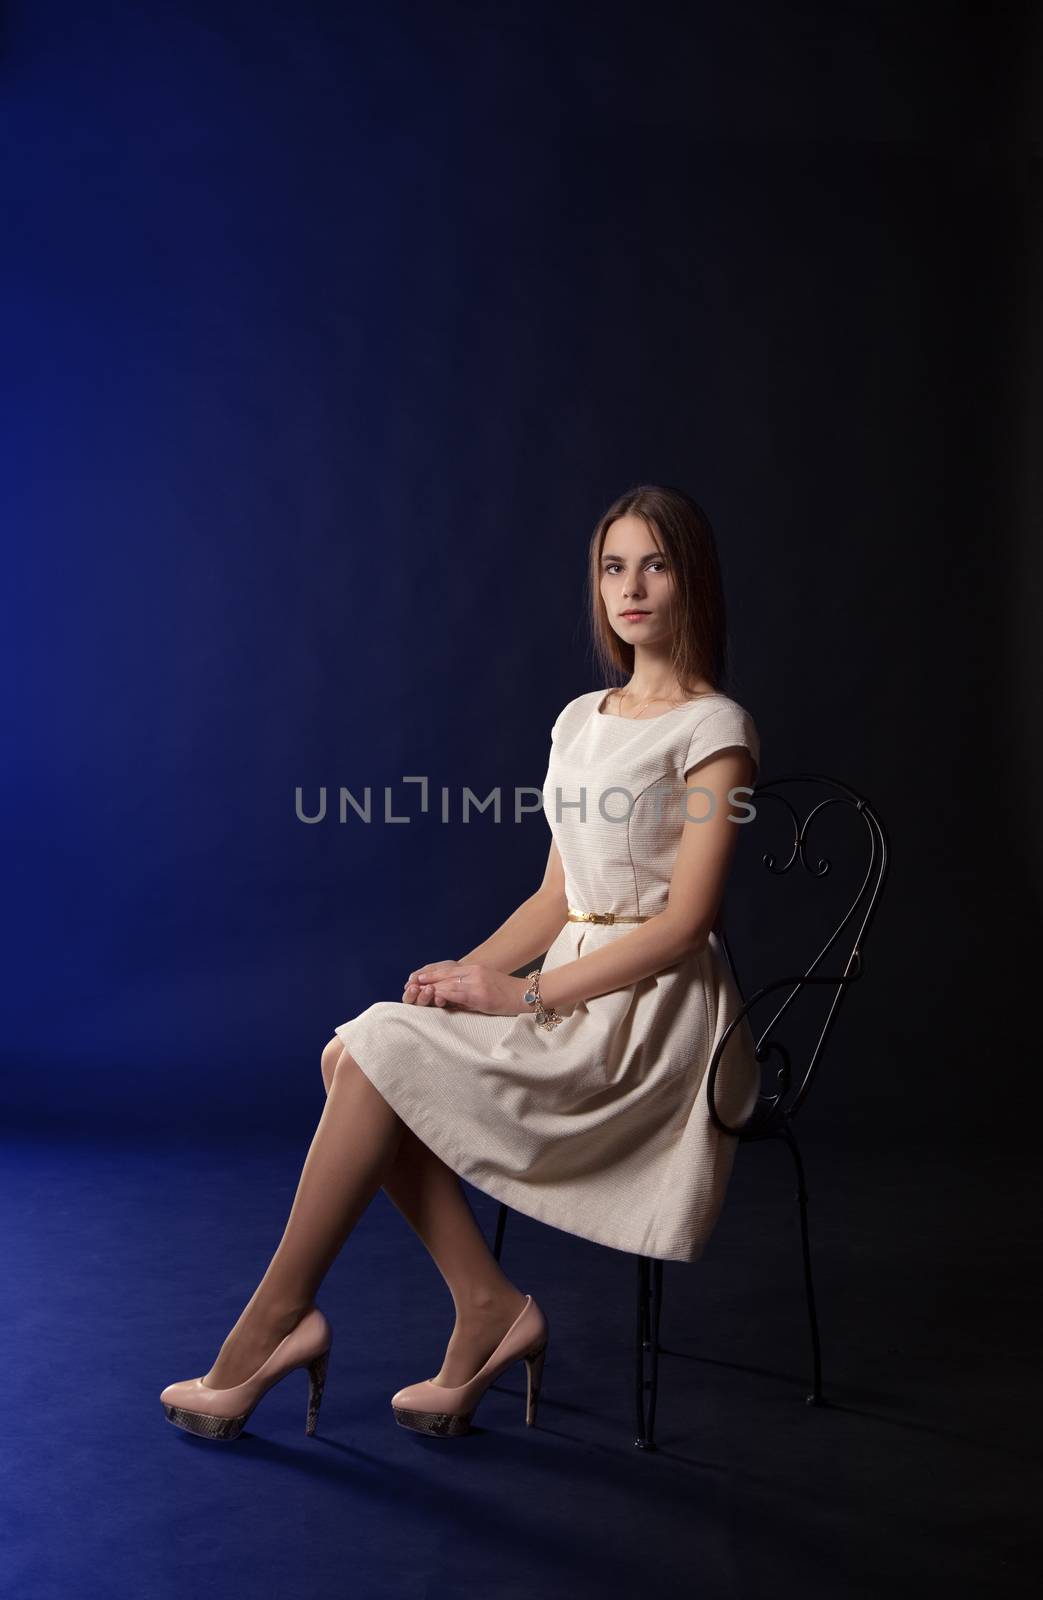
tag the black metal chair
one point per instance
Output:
(775, 1110)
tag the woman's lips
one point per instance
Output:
(633, 616)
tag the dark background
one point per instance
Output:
(329, 333)
(332, 330)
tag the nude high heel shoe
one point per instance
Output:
(222, 1413)
(434, 1408)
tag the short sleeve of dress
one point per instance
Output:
(559, 720)
(730, 727)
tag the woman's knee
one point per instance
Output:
(328, 1060)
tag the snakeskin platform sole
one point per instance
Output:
(439, 1423)
(206, 1427)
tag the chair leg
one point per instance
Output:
(649, 1300)
(501, 1223)
(815, 1397)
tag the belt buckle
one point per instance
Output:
(604, 916)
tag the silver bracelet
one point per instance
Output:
(531, 997)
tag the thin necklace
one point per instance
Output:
(649, 700)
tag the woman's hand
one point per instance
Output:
(470, 986)
(422, 994)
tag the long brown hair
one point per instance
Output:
(683, 532)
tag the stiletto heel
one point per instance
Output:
(316, 1384)
(444, 1412)
(533, 1375)
(223, 1413)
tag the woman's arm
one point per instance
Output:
(532, 929)
(697, 883)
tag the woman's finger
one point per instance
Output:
(431, 970)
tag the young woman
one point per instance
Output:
(575, 1093)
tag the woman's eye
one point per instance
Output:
(658, 562)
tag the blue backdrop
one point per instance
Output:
(330, 332)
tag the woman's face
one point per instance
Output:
(636, 577)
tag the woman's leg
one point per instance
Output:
(349, 1157)
(429, 1195)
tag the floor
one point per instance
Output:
(127, 1261)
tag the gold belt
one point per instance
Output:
(600, 916)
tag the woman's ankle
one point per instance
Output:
(274, 1313)
(480, 1304)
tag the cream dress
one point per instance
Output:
(599, 1126)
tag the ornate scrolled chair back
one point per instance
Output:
(786, 839)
